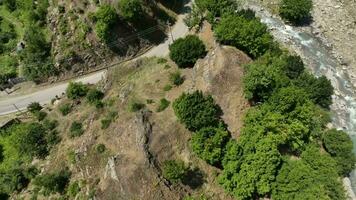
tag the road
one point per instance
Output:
(13, 104)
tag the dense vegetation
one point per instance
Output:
(105, 17)
(279, 152)
(296, 12)
(186, 51)
(131, 9)
(247, 34)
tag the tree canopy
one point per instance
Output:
(196, 110)
(209, 144)
(186, 51)
(296, 12)
(248, 35)
(131, 9)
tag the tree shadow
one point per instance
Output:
(194, 178)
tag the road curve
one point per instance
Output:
(14, 104)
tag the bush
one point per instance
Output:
(76, 129)
(131, 9)
(296, 12)
(105, 123)
(105, 17)
(65, 109)
(29, 139)
(50, 124)
(40, 115)
(163, 104)
(76, 90)
(34, 107)
(55, 182)
(176, 78)
(174, 170)
(294, 66)
(94, 96)
(100, 148)
(248, 35)
(186, 51)
(73, 189)
(319, 89)
(167, 87)
(136, 106)
(263, 77)
(209, 144)
(196, 111)
(340, 146)
(13, 180)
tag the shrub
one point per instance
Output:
(105, 123)
(162, 61)
(339, 145)
(209, 144)
(196, 111)
(73, 189)
(76, 90)
(13, 180)
(105, 17)
(186, 51)
(294, 66)
(55, 182)
(136, 106)
(76, 129)
(163, 104)
(131, 9)
(65, 109)
(176, 78)
(94, 96)
(100, 148)
(29, 139)
(167, 87)
(40, 115)
(296, 12)
(319, 89)
(50, 124)
(174, 170)
(34, 107)
(248, 35)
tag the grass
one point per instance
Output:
(163, 104)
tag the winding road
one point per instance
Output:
(44, 96)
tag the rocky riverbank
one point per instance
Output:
(335, 23)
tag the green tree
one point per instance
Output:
(294, 66)
(255, 174)
(209, 144)
(216, 8)
(29, 139)
(36, 56)
(196, 110)
(105, 18)
(249, 35)
(263, 78)
(296, 12)
(339, 145)
(186, 51)
(174, 170)
(55, 182)
(319, 89)
(76, 90)
(131, 9)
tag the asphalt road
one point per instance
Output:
(13, 104)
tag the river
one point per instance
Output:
(320, 61)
